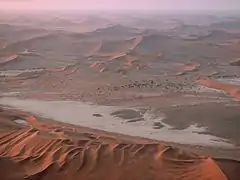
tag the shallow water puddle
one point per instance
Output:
(130, 121)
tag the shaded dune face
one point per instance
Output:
(235, 63)
(53, 151)
(152, 43)
(118, 46)
(230, 167)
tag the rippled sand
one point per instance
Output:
(49, 150)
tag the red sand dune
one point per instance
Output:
(116, 62)
(66, 69)
(102, 70)
(187, 68)
(130, 61)
(71, 70)
(190, 68)
(116, 47)
(232, 90)
(235, 62)
(117, 56)
(60, 69)
(56, 151)
(99, 66)
(8, 59)
(95, 64)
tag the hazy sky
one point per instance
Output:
(120, 4)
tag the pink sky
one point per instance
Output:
(119, 4)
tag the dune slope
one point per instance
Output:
(47, 150)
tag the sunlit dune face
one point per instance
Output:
(232, 90)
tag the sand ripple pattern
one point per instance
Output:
(52, 151)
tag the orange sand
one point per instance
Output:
(49, 150)
(8, 59)
(188, 68)
(232, 90)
